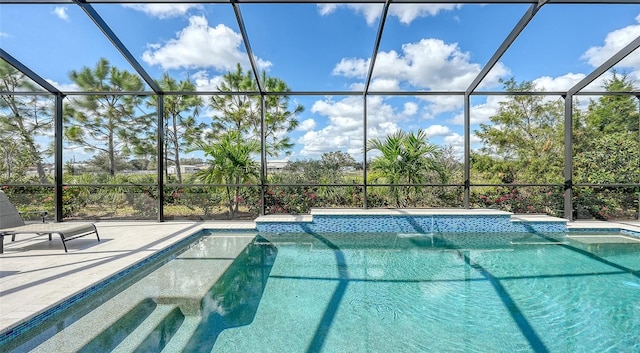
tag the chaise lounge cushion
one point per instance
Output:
(67, 229)
(11, 224)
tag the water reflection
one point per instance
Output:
(233, 300)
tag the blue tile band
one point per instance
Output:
(412, 224)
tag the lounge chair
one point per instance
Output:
(11, 223)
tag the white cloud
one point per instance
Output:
(326, 9)
(481, 113)
(4, 34)
(352, 67)
(205, 83)
(384, 84)
(456, 141)
(441, 104)
(307, 125)
(345, 122)
(377, 85)
(560, 83)
(430, 63)
(566, 82)
(615, 41)
(598, 86)
(61, 12)
(634, 76)
(192, 48)
(64, 87)
(410, 109)
(163, 11)
(405, 13)
(437, 130)
(329, 139)
(350, 108)
(371, 12)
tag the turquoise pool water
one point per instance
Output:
(379, 293)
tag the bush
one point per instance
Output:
(546, 200)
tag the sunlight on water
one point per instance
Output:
(337, 293)
(327, 294)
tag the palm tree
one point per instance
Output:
(407, 158)
(232, 164)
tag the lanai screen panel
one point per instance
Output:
(64, 40)
(195, 42)
(564, 43)
(305, 45)
(440, 47)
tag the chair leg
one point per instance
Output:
(64, 242)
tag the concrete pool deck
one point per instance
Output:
(36, 274)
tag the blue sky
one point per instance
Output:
(327, 47)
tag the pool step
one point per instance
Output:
(182, 336)
(539, 242)
(138, 336)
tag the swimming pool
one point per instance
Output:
(375, 292)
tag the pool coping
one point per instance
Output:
(306, 218)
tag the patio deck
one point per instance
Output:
(36, 274)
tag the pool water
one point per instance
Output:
(378, 293)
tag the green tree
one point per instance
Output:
(241, 113)
(279, 118)
(338, 160)
(235, 112)
(192, 161)
(406, 158)
(103, 162)
(232, 164)
(234, 139)
(614, 113)
(109, 123)
(301, 171)
(140, 163)
(606, 151)
(610, 159)
(22, 120)
(14, 163)
(180, 124)
(328, 170)
(524, 142)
